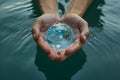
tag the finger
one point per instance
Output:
(84, 31)
(83, 37)
(47, 49)
(44, 45)
(83, 27)
(76, 46)
(68, 50)
(53, 54)
(62, 56)
(36, 30)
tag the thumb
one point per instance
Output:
(83, 36)
(36, 34)
(35, 31)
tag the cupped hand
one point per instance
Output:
(39, 29)
(81, 32)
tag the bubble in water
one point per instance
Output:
(59, 36)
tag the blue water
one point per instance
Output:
(21, 59)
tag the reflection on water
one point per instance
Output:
(57, 70)
(97, 60)
(36, 10)
(94, 13)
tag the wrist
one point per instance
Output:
(78, 7)
(48, 6)
(48, 10)
(52, 14)
(75, 11)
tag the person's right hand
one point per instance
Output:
(81, 32)
(39, 29)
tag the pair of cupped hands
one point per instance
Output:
(78, 25)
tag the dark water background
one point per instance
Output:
(21, 59)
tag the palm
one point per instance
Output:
(80, 29)
(39, 32)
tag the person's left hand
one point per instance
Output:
(39, 29)
(81, 32)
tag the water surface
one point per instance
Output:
(21, 59)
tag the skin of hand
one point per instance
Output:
(78, 25)
(39, 29)
(81, 32)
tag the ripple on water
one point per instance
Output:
(16, 28)
(17, 47)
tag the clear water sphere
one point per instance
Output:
(59, 36)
